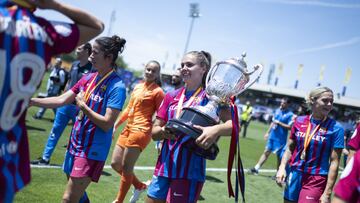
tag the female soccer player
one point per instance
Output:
(27, 43)
(314, 150)
(144, 101)
(100, 97)
(180, 173)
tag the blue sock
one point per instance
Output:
(84, 198)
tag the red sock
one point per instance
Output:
(138, 184)
(125, 183)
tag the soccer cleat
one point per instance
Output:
(137, 192)
(40, 161)
(254, 171)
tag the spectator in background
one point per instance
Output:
(64, 114)
(245, 117)
(176, 79)
(175, 82)
(276, 135)
(55, 82)
(144, 102)
(314, 150)
(27, 57)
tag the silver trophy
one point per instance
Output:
(224, 80)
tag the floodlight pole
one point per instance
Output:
(194, 13)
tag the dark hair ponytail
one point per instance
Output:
(111, 46)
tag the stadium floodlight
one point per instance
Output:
(194, 13)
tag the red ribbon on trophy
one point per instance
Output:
(234, 151)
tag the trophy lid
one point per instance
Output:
(239, 62)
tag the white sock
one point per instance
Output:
(257, 167)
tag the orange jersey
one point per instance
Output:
(144, 101)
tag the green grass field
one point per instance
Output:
(48, 184)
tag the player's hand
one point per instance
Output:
(276, 122)
(266, 136)
(167, 134)
(207, 138)
(280, 177)
(325, 198)
(80, 100)
(31, 103)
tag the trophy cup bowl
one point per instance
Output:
(224, 80)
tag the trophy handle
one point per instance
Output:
(258, 68)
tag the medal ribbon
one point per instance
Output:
(308, 135)
(89, 91)
(182, 98)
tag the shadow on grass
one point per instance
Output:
(266, 176)
(104, 173)
(213, 179)
(35, 128)
(51, 120)
(201, 198)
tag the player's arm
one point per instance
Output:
(89, 26)
(105, 122)
(281, 174)
(211, 134)
(115, 102)
(123, 117)
(266, 135)
(159, 132)
(337, 199)
(333, 173)
(350, 155)
(284, 125)
(53, 102)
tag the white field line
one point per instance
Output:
(151, 168)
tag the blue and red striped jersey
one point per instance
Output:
(175, 159)
(329, 136)
(87, 139)
(27, 44)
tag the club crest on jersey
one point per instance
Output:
(322, 130)
(103, 88)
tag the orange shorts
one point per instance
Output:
(131, 138)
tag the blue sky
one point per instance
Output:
(287, 32)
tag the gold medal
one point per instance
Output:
(303, 154)
(80, 115)
(90, 89)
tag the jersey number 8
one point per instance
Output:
(21, 88)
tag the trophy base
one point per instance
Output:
(184, 125)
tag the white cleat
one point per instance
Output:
(136, 193)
